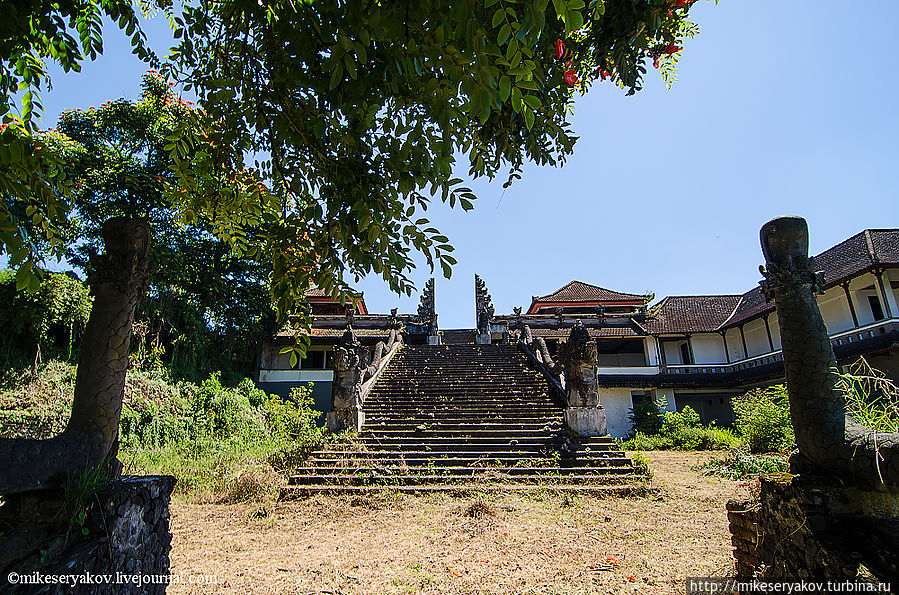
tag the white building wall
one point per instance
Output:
(617, 403)
(734, 344)
(673, 353)
(665, 399)
(890, 277)
(651, 349)
(862, 288)
(708, 348)
(835, 310)
(756, 337)
(774, 323)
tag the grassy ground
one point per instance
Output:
(546, 543)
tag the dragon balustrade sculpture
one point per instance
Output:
(90, 439)
(829, 441)
(353, 367)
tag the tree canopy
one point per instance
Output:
(32, 181)
(353, 114)
(204, 304)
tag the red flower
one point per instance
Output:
(560, 49)
(570, 77)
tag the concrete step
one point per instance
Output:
(630, 489)
(537, 476)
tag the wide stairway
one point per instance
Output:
(462, 418)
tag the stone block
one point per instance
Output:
(434, 340)
(340, 420)
(586, 421)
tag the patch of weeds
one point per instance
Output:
(740, 464)
(478, 509)
(641, 465)
(80, 489)
(569, 500)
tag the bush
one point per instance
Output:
(763, 417)
(646, 416)
(219, 441)
(683, 431)
(739, 464)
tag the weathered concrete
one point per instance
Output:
(586, 421)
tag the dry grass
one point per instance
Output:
(544, 543)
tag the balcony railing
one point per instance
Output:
(855, 335)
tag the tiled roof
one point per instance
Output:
(859, 253)
(336, 332)
(605, 331)
(752, 304)
(849, 258)
(316, 292)
(690, 313)
(578, 291)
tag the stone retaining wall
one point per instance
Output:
(122, 531)
(807, 528)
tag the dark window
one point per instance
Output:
(876, 309)
(685, 353)
(315, 360)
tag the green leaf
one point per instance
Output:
(532, 102)
(528, 117)
(505, 88)
(498, 17)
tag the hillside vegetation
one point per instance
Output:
(222, 443)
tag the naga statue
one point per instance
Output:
(829, 441)
(90, 439)
(578, 358)
(352, 369)
(483, 308)
(350, 361)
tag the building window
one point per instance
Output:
(685, 353)
(314, 360)
(876, 308)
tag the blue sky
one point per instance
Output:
(780, 108)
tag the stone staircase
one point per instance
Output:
(464, 417)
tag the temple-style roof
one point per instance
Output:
(690, 314)
(863, 251)
(601, 332)
(314, 295)
(580, 293)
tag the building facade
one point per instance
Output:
(696, 350)
(701, 350)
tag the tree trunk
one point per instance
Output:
(117, 283)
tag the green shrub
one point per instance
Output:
(682, 430)
(646, 416)
(740, 464)
(219, 441)
(763, 417)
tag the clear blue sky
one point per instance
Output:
(780, 108)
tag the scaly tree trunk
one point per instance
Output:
(117, 283)
(829, 440)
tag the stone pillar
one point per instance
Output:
(484, 311)
(584, 414)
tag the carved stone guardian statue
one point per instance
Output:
(350, 361)
(584, 414)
